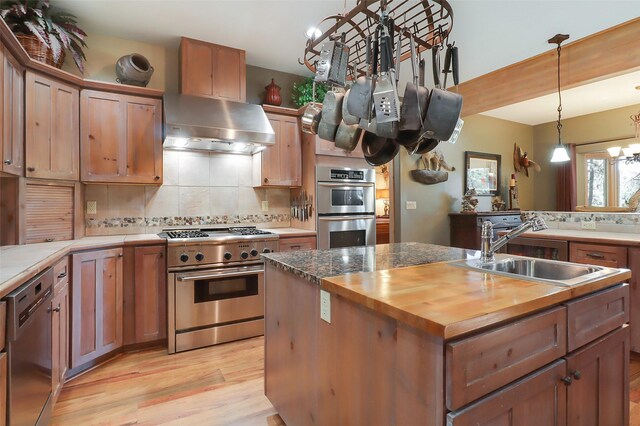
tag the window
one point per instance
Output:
(609, 183)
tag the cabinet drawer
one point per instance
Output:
(486, 362)
(596, 254)
(297, 243)
(595, 315)
(61, 272)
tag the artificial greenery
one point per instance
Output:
(303, 92)
(55, 29)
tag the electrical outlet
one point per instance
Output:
(325, 306)
(92, 207)
(412, 205)
(265, 206)
(588, 224)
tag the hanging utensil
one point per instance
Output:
(311, 116)
(346, 117)
(347, 136)
(332, 107)
(413, 105)
(360, 92)
(390, 129)
(368, 122)
(384, 95)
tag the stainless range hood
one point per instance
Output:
(196, 123)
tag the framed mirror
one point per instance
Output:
(482, 172)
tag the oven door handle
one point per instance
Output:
(219, 275)
(343, 218)
(346, 184)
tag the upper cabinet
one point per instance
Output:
(120, 138)
(324, 147)
(280, 164)
(52, 122)
(211, 70)
(12, 132)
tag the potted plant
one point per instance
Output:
(303, 92)
(44, 32)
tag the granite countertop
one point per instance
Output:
(314, 265)
(20, 263)
(622, 238)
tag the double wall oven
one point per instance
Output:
(216, 285)
(345, 207)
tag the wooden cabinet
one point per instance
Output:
(538, 399)
(150, 283)
(3, 388)
(12, 132)
(324, 147)
(465, 228)
(634, 297)
(59, 337)
(297, 243)
(598, 393)
(382, 230)
(120, 138)
(598, 254)
(96, 304)
(51, 211)
(281, 163)
(52, 123)
(211, 70)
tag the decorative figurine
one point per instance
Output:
(435, 168)
(497, 204)
(521, 161)
(134, 69)
(469, 201)
(513, 193)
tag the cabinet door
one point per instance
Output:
(196, 68)
(144, 140)
(290, 152)
(51, 128)
(229, 74)
(599, 393)
(59, 339)
(634, 298)
(96, 304)
(12, 116)
(103, 136)
(324, 147)
(3, 388)
(271, 157)
(150, 294)
(297, 243)
(538, 399)
(598, 254)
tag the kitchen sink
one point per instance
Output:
(550, 271)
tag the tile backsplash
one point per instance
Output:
(604, 222)
(199, 188)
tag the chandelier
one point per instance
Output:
(631, 153)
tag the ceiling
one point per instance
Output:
(490, 34)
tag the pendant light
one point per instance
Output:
(560, 154)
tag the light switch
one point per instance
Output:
(325, 306)
(412, 205)
(588, 224)
(92, 207)
(265, 206)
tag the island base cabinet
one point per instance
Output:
(599, 390)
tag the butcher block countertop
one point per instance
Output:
(434, 296)
(20, 263)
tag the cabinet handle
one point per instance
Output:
(49, 240)
(62, 275)
(296, 247)
(567, 380)
(576, 374)
(50, 310)
(31, 169)
(266, 180)
(156, 178)
(120, 255)
(595, 255)
(8, 162)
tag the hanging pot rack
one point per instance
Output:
(428, 22)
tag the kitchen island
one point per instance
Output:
(411, 338)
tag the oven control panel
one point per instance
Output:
(210, 254)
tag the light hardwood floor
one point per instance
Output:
(220, 385)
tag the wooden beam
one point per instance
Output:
(609, 53)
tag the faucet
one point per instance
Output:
(489, 247)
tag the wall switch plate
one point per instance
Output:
(265, 206)
(325, 306)
(412, 205)
(92, 207)
(588, 224)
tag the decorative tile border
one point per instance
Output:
(576, 217)
(166, 221)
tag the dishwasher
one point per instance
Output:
(29, 351)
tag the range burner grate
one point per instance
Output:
(186, 234)
(248, 231)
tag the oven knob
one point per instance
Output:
(254, 252)
(227, 256)
(184, 257)
(244, 255)
(266, 250)
(199, 257)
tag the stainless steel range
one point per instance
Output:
(216, 285)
